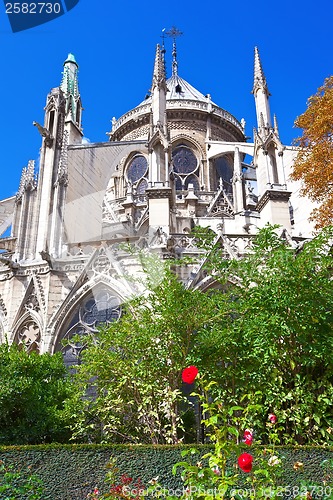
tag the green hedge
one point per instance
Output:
(70, 472)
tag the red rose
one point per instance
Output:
(189, 374)
(245, 462)
(248, 437)
(272, 418)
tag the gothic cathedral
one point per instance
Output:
(175, 161)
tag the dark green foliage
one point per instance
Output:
(32, 391)
(271, 341)
(70, 472)
(16, 483)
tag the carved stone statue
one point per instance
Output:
(44, 132)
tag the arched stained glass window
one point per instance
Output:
(184, 160)
(185, 168)
(96, 309)
(142, 186)
(137, 169)
(224, 171)
(137, 173)
(102, 308)
(192, 179)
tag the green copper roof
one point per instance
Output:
(70, 86)
(70, 59)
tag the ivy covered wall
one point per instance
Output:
(70, 472)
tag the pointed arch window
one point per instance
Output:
(137, 173)
(97, 308)
(224, 171)
(271, 150)
(141, 187)
(185, 168)
(78, 114)
(51, 122)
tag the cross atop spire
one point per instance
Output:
(259, 77)
(174, 33)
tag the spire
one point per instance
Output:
(69, 84)
(276, 127)
(174, 59)
(158, 90)
(259, 77)
(174, 33)
(159, 69)
(261, 95)
(70, 87)
(163, 51)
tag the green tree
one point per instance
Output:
(127, 386)
(33, 388)
(264, 334)
(314, 162)
(273, 340)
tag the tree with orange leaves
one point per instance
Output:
(314, 162)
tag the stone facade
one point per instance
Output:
(175, 161)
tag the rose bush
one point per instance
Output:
(215, 475)
(214, 472)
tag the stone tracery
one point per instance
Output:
(95, 309)
(29, 335)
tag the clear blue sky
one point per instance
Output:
(114, 43)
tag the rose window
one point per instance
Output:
(185, 168)
(136, 173)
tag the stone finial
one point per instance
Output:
(276, 127)
(28, 180)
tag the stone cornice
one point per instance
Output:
(21, 271)
(158, 192)
(272, 195)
